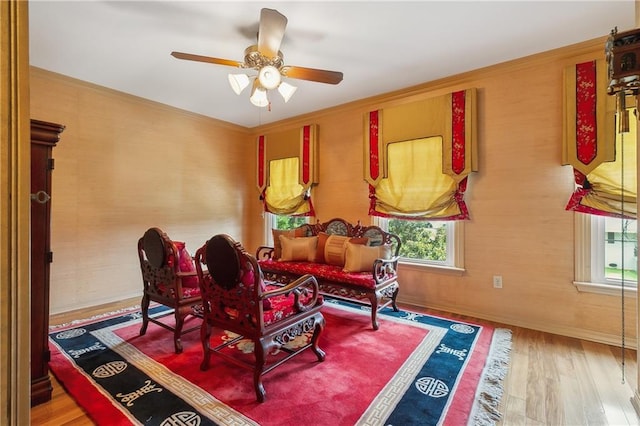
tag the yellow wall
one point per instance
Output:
(196, 176)
(519, 228)
(125, 164)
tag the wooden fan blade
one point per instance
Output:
(209, 59)
(271, 32)
(312, 74)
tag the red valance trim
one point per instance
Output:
(374, 155)
(306, 154)
(575, 204)
(586, 102)
(458, 131)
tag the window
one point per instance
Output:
(428, 243)
(606, 250)
(273, 221)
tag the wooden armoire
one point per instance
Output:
(44, 136)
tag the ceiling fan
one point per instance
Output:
(266, 58)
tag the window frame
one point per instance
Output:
(455, 248)
(270, 223)
(589, 274)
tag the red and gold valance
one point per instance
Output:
(450, 122)
(604, 184)
(451, 116)
(589, 132)
(300, 143)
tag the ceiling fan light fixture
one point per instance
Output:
(259, 95)
(269, 77)
(238, 82)
(286, 90)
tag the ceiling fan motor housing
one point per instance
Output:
(256, 60)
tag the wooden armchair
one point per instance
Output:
(235, 298)
(169, 278)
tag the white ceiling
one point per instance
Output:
(379, 46)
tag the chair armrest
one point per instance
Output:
(305, 291)
(264, 253)
(385, 269)
(187, 274)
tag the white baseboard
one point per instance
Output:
(575, 332)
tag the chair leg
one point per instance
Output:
(205, 336)
(144, 305)
(259, 351)
(316, 336)
(177, 331)
(375, 300)
(393, 298)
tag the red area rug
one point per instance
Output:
(368, 376)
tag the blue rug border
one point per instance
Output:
(443, 367)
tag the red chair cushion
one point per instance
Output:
(281, 307)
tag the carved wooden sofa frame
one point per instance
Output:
(378, 287)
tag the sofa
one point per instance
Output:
(349, 261)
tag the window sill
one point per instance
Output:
(440, 269)
(606, 289)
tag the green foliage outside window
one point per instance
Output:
(290, 222)
(421, 239)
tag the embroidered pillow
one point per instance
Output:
(359, 258)
(335, 247)
(298, 249)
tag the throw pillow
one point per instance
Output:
(298, 249)
(322, 242)
(249, 278)
(335, 247)
(359, 258)
(185, 263)
(277, 247)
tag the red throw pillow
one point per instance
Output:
(185, 263)
(249, 279)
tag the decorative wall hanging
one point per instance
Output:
(452, 119)
(623, 64)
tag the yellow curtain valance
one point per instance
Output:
(417, 157)
(451, 116)
(603, 160)
(300, 143)
(286, 170)
(285, 195)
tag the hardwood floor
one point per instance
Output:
(552, 380)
